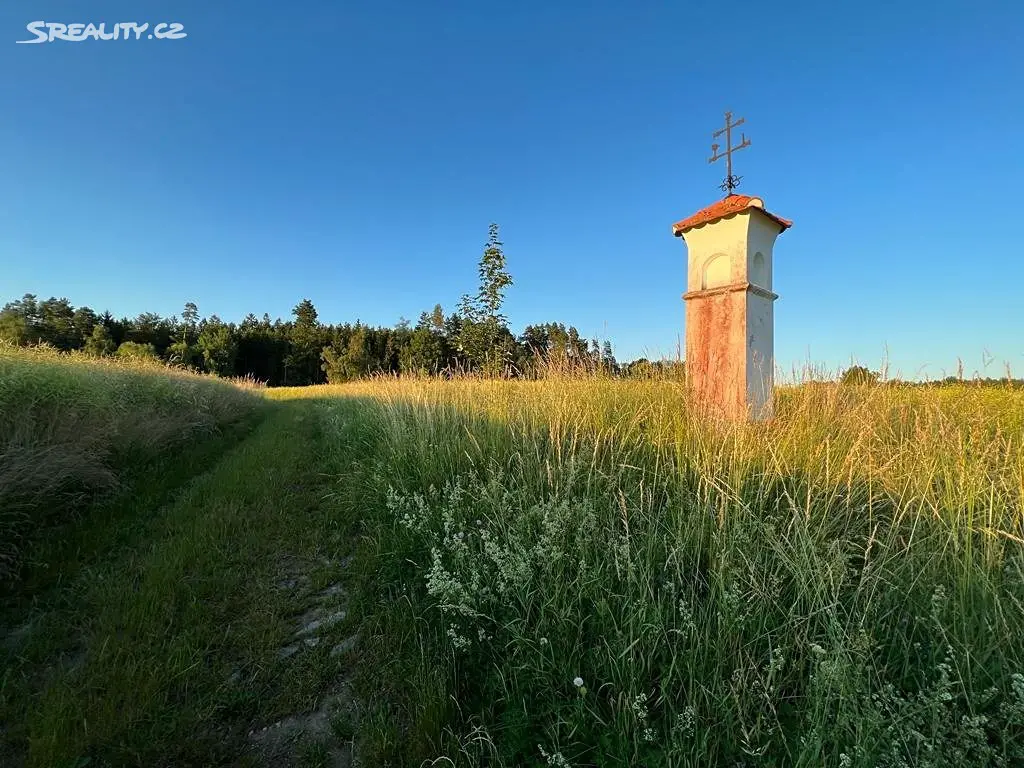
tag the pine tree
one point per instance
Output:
(437, 318)
(307, 340)
(184, 351)
(190, 316)
(608, 358)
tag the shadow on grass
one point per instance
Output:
(714, 611)
(46, 614)
(71, 539)
(161, 643)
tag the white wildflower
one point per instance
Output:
(685, 721)
(639, 706)
(555, 758)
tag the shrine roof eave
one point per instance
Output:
(728, 206)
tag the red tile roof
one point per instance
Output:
(727, 207)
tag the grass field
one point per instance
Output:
(578, 572)
(561, 572)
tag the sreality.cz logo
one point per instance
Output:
(49, 31)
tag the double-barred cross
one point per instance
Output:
(731, 182)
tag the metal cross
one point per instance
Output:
(731, 182)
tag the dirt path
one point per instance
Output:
(211, 627)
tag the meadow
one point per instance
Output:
(580, 572)
(569, 571)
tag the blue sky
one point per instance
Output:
(355, 152)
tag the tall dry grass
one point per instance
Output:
(582, 572)
(71, 426)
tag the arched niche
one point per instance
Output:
(759, 271)
(716, 272)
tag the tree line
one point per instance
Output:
(859, 375)
(303, 350)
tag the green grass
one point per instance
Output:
(842, 586)
(164, 650)
(73, 429)
(146, 623)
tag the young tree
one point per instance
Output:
(494, 278)
(184, 354)
(351, 362)
(333, 365)
(858, 374)
(641, 368)
(219, 346)
(357, 361)
(424, 353)
(133, 350)
(99, 343)
(481, 338)
(13, 327)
